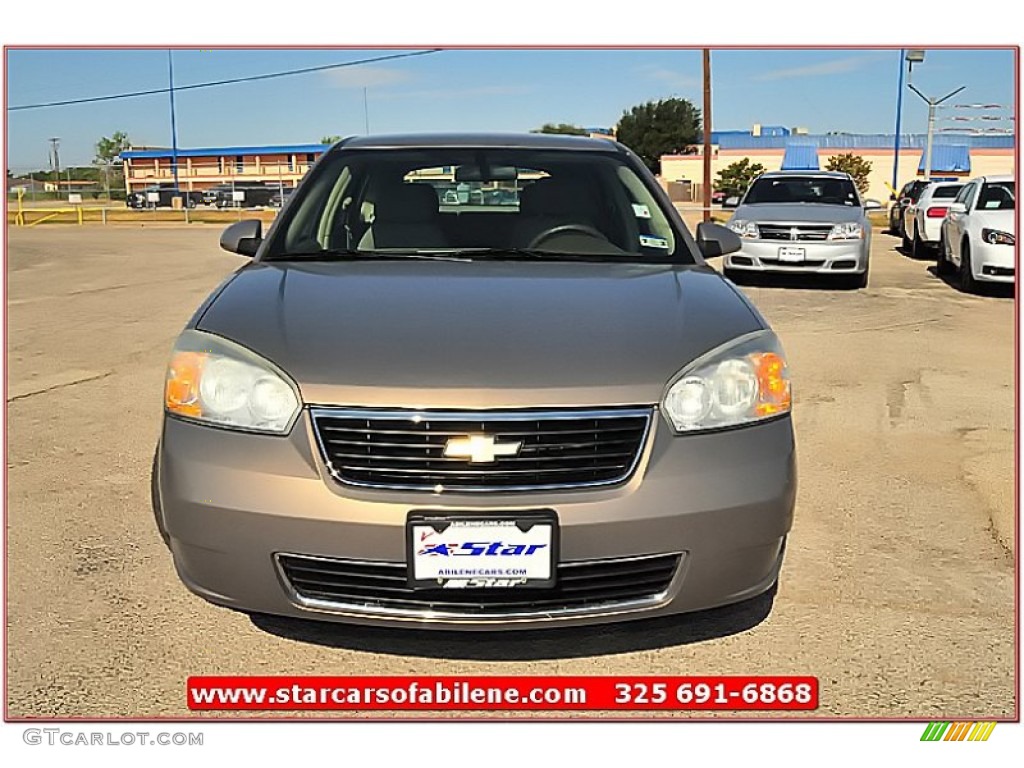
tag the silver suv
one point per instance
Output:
(803, 222)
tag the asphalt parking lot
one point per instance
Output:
(897, 591)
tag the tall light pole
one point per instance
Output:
(174, 126)
(912, 57)
(707, 135)
(932, 104)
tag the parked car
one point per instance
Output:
(249, 194)
(477, 418)
(212, 194)
(165, 197)
(978, 240)
(927, 213)
(281, 194)
(803, 222)
(907, 196)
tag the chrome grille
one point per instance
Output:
(794, 232)
(406, 449)
(381, 587)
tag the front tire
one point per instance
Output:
(967, 282)
(906, 240)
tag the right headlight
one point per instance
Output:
(743, 381)
(744, 228)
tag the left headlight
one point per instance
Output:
(744, 228)
(215, 381)
(743, 381)
(849, 230)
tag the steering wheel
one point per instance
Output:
(562, 229)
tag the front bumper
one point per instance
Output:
(993, 263)
(838, 257)
(233, 503)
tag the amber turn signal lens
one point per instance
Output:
(774, 395)
(181, 393)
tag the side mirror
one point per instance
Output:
(731, 202)
(905, 201)
(243, 237)
(872, 205)
(716, 240)
(957, 208)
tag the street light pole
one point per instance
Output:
(707, 135)
(899, 114)
(932, 104)
(174, 126)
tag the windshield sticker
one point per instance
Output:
(647, 241)
(641, 211)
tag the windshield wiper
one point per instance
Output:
(353, 254)
(527, 254)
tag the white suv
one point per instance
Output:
(978, 236)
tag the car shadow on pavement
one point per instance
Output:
(994, 290)
(813, 282)
(527, 645)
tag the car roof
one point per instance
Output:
(458, 140)
(825, 174)
(987, 179)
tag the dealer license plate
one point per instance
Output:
(791, 255)
(476, 551)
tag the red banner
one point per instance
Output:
(453, 693)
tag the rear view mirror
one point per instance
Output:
(243, 237)
(731, 202)
(905, 201)
(486, 173)
(957, 208)
(716, 240)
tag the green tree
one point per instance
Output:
(856, 166)
(107, 151)
(567, 129)
(330, 139)
(734, 179)
(665, 127)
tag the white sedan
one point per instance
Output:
(925, 216)
(978, 237)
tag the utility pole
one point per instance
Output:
(707, 134)
(932, 104)
(55, 143)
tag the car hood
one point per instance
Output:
(793, 213)
(1004, 221)
(436, 334)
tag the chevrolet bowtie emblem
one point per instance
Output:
(480, 449)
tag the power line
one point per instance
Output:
(230, 81)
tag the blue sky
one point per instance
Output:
(516, 90)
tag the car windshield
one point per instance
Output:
(827, 190)
(998, 196)
(473, 203)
